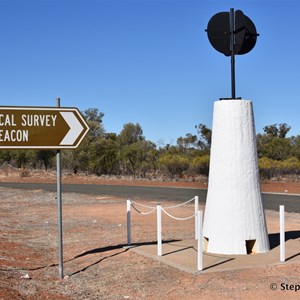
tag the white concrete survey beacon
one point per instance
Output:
(234, 221)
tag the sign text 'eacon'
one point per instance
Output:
(41, 128)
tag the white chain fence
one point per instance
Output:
(164, 209)
(154, 208)
(142, 205)
(158, 208)
(177, 218)
(180, 204)
(135, 204)
(144, 209)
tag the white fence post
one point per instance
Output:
(159, 246)
(196, 221)
(200, 237)
(128, 223)
(282, 233)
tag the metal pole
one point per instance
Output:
(231, 16)
(59, 209)
(128, 223)
(200, 237)
(159, 246)
(282, 234)
(196, 221)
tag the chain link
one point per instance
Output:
(176, 218)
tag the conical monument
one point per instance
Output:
(234, 221)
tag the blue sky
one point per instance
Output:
(148, 61)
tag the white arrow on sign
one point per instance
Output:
(75, 128)
(28, 127)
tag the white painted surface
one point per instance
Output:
(282, 233)
(199, 242)
(75, 128)
(196, 220)
(234, 212)
(159, 238)
(128, 205)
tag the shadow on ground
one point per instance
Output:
(274, 238)
(123, 247)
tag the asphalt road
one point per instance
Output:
(270, 201)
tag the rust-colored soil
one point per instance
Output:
(97, 266)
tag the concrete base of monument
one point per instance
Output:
(183, 256)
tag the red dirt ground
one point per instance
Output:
(97, 266)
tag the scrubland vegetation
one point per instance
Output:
(129, 153)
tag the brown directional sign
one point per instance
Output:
(41, 128)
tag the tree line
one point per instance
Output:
(129, 153)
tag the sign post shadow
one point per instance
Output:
(44, 128)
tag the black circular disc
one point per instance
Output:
(218, 31)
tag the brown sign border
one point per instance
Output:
(75, 110)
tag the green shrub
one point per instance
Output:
(200, 164)
(174, 164)
(274, 168)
